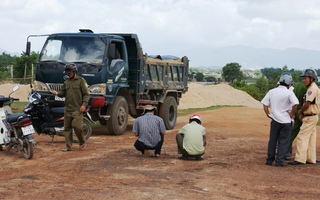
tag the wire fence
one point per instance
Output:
(26, 80)
(29, 77)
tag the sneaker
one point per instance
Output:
(183, 157)
(199, 158)
(65, 150)
(295, 163)
(281, 165)
(268, 163)
(311, 163)
(81, 146)
(157, 155)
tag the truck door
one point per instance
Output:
(118, 65)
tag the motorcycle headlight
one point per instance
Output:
(34, 98)
(40, 87)
(97, 89)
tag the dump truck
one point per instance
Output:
(121, 79)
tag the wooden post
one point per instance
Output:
(25, 72)
(11, 72)
(32, 73)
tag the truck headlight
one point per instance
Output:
(97, 89)
(40, 87)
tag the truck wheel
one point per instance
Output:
(168, 112)
(118, 111)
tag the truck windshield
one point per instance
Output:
(73, 49)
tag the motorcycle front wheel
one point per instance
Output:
(27, 149)
(86, 130)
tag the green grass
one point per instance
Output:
(189, 111)
(18, 106)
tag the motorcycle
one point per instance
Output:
(50, 121)
(16, 129)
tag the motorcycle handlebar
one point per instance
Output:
(6, 99)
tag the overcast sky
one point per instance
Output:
(168, 26)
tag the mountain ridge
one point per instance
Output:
(248, 57)
(253, 58)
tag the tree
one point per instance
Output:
(5, 61)
(273, 75)
(262, 84)
(211, 79)
(22, 65)
(199, 76)
(232, 72)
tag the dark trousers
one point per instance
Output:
(142, 147)
(279, 136)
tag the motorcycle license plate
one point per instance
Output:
(59, 98)
(27, 130)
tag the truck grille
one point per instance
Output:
(54, 86)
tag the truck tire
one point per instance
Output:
(168, 112)
(118, 111)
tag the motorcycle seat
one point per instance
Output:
(57, 110)
(15, 116)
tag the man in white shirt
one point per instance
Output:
(283, 103)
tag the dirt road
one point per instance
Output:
(110, 168)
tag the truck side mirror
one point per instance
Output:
(112, 51)
(28, 48)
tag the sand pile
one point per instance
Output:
(21, 93)
(198, 95)
(202, 96)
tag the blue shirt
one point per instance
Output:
(149, 128)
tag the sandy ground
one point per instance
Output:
(110, 168)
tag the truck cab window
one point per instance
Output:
(119, 55)
(51, 50)
(74, 49)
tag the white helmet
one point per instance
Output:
(286, 78)
(195, 117)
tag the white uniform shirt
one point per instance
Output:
(281, 100)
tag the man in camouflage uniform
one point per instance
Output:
(75, 91)
(299, 90)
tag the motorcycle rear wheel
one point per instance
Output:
(27, 149)
(86, 130)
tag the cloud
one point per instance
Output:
(168, 26)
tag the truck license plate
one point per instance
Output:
(27, 130)
(59, 98)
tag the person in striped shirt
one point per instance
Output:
(150, 130)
